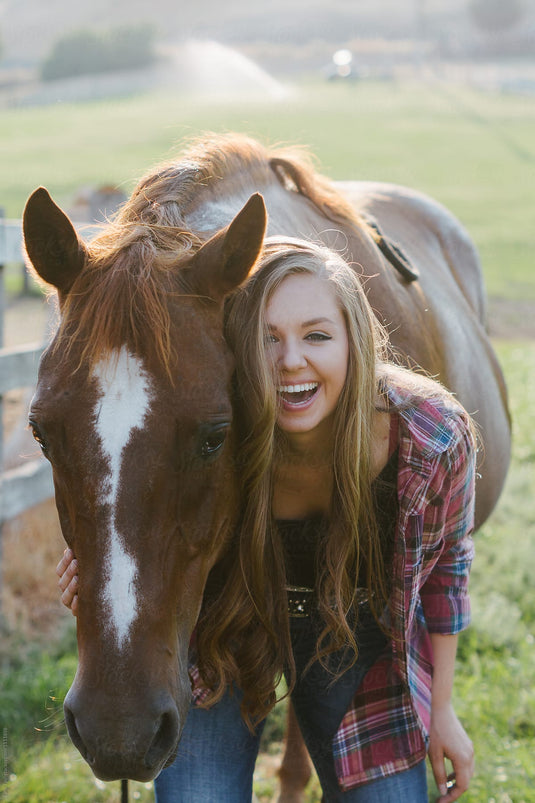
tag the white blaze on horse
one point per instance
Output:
(133, 405)
(122, 407)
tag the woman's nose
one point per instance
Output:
(292, 356)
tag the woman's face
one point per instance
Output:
(308, 345)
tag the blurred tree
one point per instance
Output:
(131, 47)
(85, 52)
(77, 53)
(495, 16)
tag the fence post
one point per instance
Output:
(2, 307)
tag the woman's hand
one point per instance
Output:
(448, 739)
(67, 571)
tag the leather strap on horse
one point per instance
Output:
(392, 252)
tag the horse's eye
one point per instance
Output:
(38, 436)
(212, 439)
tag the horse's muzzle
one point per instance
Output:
(117, 744)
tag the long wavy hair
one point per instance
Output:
(260, 639)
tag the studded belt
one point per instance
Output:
(302, 600)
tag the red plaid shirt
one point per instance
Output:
(386, 728)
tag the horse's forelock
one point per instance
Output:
(120, 299)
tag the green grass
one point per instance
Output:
(495, 693)
(56, 772)
(474, 152)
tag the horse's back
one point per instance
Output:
(451, 281)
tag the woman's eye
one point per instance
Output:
(318, 336)
(270, 339)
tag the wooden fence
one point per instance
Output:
(30, 483)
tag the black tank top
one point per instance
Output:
(303, 539)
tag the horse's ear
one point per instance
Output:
(225, 261)
(53, 247)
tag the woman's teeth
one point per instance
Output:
(297, 395)
(297, 388)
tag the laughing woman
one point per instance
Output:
(349, 571)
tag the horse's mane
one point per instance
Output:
(122, 294)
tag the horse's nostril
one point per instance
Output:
(75, 737)
(164, 739)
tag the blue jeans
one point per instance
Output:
(217, 752)
(216, 757)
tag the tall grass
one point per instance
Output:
(495, 689)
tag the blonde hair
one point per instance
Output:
(351, 514)
(353, 540)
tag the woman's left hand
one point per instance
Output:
(448, 739)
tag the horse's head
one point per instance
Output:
(133, 411)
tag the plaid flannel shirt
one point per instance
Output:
(385, 731)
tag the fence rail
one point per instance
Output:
(18, 366)
(30, 483)
(10, 241)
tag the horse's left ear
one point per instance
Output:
(225, 261)
(53, 247)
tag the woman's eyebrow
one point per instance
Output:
(305, 324)
(316, 321)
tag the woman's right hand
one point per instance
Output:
(67, 571)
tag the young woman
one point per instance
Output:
(354, 548)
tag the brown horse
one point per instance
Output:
(133, 404)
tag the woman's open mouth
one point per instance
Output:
(298, 394)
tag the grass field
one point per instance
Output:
(474, 152)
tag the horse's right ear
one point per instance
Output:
(53, 247)
(227, 258)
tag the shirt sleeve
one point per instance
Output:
(448, 544)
